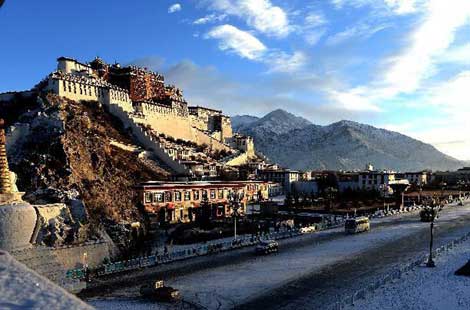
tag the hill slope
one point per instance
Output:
(298, 144)
(65, 154)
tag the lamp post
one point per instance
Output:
(384, 188)
(235, 199)
(443, 186)
(430, 263)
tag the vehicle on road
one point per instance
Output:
(307, 229)
(357, 225)
(159, 292)
(267, 247)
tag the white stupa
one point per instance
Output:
(17, 217)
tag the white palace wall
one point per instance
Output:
(163, 119)
(168, 121)
(77, 91)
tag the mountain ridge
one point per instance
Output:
(297, 143)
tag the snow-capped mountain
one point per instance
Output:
(296, 143)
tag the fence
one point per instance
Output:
(395, 274)
(148, 261)
(153, 260)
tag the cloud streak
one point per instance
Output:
(237, 41)
(262, 15)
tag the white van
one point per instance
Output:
(357, 225)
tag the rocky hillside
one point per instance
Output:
(62, 152)
(298, 144)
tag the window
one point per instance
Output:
(195, 194)
(168, 197)
(204, 194)
(177, 196)
(221, 194)
(187, 195)
(158, 197)
(212, 193)
(148, 197)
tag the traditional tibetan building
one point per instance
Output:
(183, 202)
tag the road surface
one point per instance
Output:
(309, 272)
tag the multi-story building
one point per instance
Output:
(375, 180)
(174, 202)
(285, 177)
(419, 178)
(451, 178)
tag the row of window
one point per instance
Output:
(83, 89)
(88, 90)
(194, 195)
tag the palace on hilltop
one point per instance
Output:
(191, 140)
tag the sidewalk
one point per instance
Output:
(426, 288)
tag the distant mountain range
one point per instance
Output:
(296, 143)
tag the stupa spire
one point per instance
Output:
(5, 180)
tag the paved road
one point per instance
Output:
(309, 272)
(317, 289)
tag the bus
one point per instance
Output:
(357, 225)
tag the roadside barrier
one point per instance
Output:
(202, 250)
(206, 249)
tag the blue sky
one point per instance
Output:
(403, 65)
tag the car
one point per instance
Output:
(159, 292)
(307, 229)
(267, 247)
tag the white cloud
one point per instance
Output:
(315, 19)
(429, 40)
(174, 8)
(353, 100)
(286, 63)
(313, 28)
(210, 19)
(399, 7)
(237, 41)
(459, 55)
(448, 132)
(427, 44)
(245, 45)
(259, 14)
(452, 94)
(361, 30)
(402, 6)
(313, 36)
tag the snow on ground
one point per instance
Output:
(426, 288)
(230, 285)
(22, 288)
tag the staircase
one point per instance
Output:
(146, 140)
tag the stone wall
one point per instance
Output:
(54, 262)
(164, 119)
(203, 138)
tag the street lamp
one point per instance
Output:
(235, 199)
(384, 188)
(430, 263)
